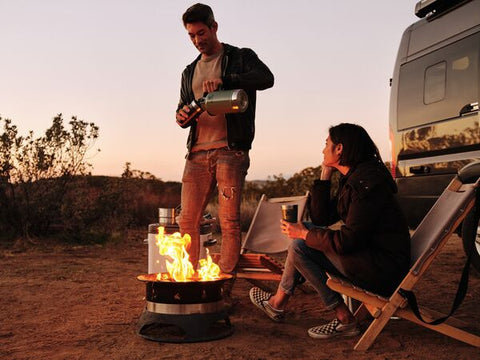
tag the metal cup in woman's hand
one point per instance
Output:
(290, 212)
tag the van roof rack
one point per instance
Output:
(429, 8)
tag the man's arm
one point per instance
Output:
(255, 75)
(182, 108)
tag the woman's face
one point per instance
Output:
(331, 153)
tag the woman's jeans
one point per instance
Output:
(311, 264)
(204, 170)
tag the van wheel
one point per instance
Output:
(471, 234)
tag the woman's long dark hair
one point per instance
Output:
(358, 146)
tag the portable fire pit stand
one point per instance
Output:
(179, 312)
(184, 328)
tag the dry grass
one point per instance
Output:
(247, 210)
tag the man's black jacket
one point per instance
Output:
(241, 69)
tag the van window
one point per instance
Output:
(435, 77)
(437, 86)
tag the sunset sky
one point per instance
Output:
(117, 63)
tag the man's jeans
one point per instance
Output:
(312, 265)
(203, 171)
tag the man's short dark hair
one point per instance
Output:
(199, 13)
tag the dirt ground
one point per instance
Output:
(83, 302)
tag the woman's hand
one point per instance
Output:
(326, 172)
(294, 230)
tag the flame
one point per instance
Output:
(180, 268)
(208, 269)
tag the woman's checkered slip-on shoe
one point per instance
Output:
(260, 299)
(333, 328)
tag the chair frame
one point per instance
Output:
(382, 309)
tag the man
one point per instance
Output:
(218, 145)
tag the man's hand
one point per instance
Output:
(294, 230)
(211, 85)
(182, 115)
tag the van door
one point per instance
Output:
(438, 124)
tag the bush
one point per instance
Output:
(46, 188)
(101, 208)
(36, 173)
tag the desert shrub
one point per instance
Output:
(36, 173)
(146, 196)
(247, 209)
(102, 208)
(46, 188)
(93, 210)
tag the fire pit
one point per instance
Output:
(189, 311)
(183, 304)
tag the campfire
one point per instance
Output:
(182, 304)
(180, 268)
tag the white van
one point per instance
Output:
(434, 118)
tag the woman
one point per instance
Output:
(372, 247)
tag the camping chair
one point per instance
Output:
(264, 236)
(427, 241)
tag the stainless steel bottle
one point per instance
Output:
(217, 103)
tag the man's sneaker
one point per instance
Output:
(334, 328)
(260, 299)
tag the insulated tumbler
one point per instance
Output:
(290, 212)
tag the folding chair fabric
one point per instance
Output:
(438, 223)
(265, 237)
(264, 234)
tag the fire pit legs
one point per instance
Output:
(176, 328)
(184, 311)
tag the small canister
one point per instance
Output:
(166, 216)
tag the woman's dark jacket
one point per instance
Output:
(372, 248)
(241, 69)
